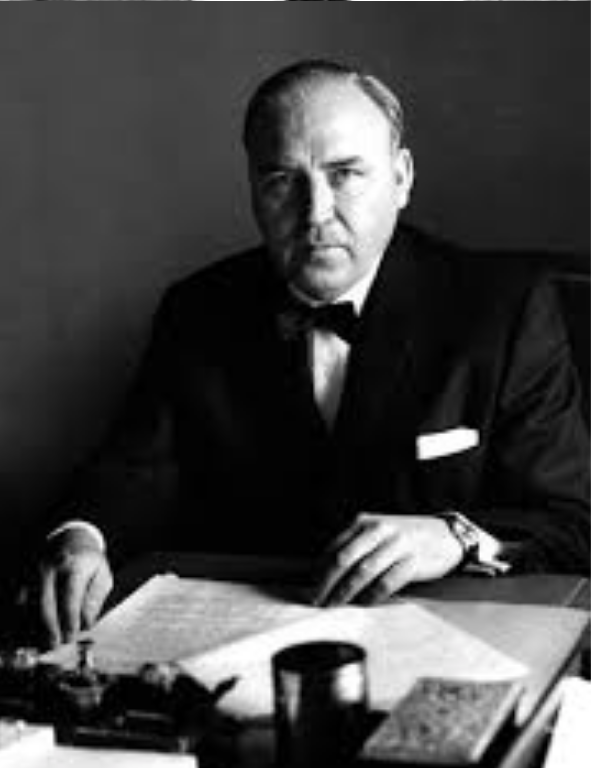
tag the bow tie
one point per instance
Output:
(340, 318)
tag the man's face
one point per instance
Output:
(327, 181)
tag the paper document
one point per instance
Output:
(218, 630)
(171, 618)
(80, 757)
(570, 745)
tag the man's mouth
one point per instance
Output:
(321, 245)
(323, 251)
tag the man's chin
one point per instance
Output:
(321, 285)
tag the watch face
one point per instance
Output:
(467, 536)
(471, 538)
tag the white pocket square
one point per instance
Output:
(439, 444)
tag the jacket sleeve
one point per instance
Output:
(129, 486)
(538, 481)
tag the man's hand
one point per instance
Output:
(379, 554)
(74, 581)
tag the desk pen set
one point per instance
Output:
(440, 722)
(159, 708)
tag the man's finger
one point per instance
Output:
(363, 572)
(71, 585)
(72, 582)
(345, 537)
(98, 590)
(388, 583)
(48, 607)
(343, 560)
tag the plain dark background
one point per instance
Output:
(121, 170)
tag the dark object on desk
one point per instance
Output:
(320, 704)
(444, 722)
(159, 708)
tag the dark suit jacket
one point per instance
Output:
(222, 431)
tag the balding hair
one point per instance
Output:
(316, 72)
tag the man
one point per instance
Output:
(430, 422)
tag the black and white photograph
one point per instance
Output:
(294, 386)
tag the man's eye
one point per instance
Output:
(277, 183)
(346, 175)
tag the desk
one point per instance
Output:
(535, 589)
(475, 604)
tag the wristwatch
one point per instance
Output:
(480, 549)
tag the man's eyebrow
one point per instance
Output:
(343, 162)
(274, 167)
(285, 166)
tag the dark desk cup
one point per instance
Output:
(320, 704)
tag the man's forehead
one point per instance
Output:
(337, 114)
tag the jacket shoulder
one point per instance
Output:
(232, 274)
(483, 280)
(211, 298)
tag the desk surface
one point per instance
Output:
(535, 589)
(484, 607)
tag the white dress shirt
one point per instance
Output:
(328, 354)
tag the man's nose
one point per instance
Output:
(319, 201)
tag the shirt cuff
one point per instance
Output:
(83, 525)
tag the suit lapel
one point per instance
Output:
(378, 391)
(404, 331)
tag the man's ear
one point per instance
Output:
(404, 174)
